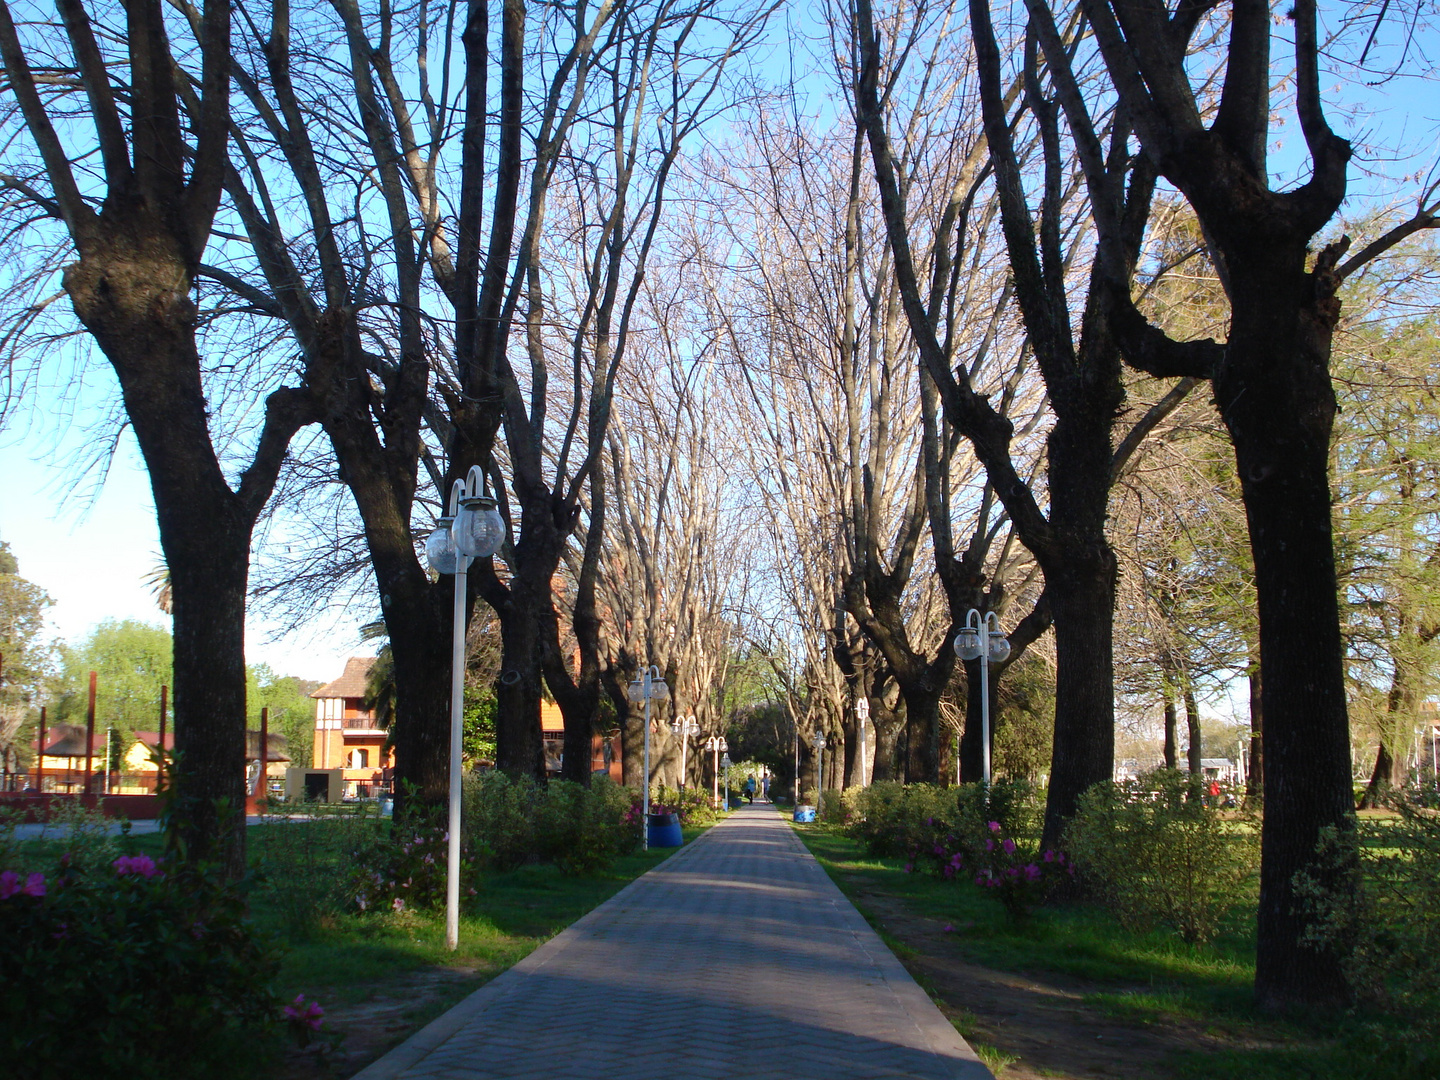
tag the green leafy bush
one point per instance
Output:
(499, 818)
(1383, 920)
(894, 819)
(509, 822)
(1153, 851)
(133, 970)
(582, 830)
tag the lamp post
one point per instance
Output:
(473, 529)
(717, 745)
(725, 764)
(862, 713)
(819, 743)
(981, 639)
(684, 727)
(648, 686)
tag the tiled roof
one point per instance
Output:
(352, 683)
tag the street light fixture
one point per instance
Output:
(981, 639)
(818, 741)
(684, 727)
(717, 745)
(648, 686)
(473, 529)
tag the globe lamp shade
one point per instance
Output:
(967, 644)
(440, 548)
(999, 647)
(479, 528)
(636, 693)
(659, 691)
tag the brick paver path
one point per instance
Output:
(736, 957)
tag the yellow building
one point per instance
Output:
(347, 734)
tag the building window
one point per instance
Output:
(359, 759)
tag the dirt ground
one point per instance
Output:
(1043, 1020)
(384, 1020)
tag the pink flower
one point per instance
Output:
(1032, 872)
(299, 1012)
(994, 826)
(989, 845)
(9, 884)
(398, 905)
(1008, 845)
(141, 865)
(949, 929)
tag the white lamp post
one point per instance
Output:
(725, 764)
(862, 713)
(981, 639)
(473, 529)
(685, 727)
(648, 686)
(818, 742)
(717, 745)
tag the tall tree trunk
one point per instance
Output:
(1196, 754)
(1281, 432)
(888, 724)
(1172, 741)
(1255, 777)
(922, 732)
(519, 749)
(1084, 751)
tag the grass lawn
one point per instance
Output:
(1071, 993)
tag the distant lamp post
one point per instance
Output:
(725, 764)
(473, 529)
(981, 639)
(648, 686)
(717, 745)
(685, 727)
(818, 742)
(862, 714)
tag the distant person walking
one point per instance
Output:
(765, 786)
(750, 789)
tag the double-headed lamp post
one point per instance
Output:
(818, 742)
(981, 639)
(473, 529)
(717, 745)
(685, 727)
(648, 686)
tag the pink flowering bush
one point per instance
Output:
(133, 969)
(406, 867)
(1013, 872)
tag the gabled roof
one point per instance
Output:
(352, 683)
(150, 738)
(68, 740)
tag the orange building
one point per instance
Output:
(347, 734)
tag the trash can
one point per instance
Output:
(804, 813)
(663, 830)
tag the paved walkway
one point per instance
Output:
(736, 957)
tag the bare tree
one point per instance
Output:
(1272, 384)
(139, 230)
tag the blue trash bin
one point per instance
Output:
(804, 813)
(663, 830)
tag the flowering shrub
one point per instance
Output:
(1155, 853)
(694, 805)
(406, 867)
(138, 969)
(1012, 871)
